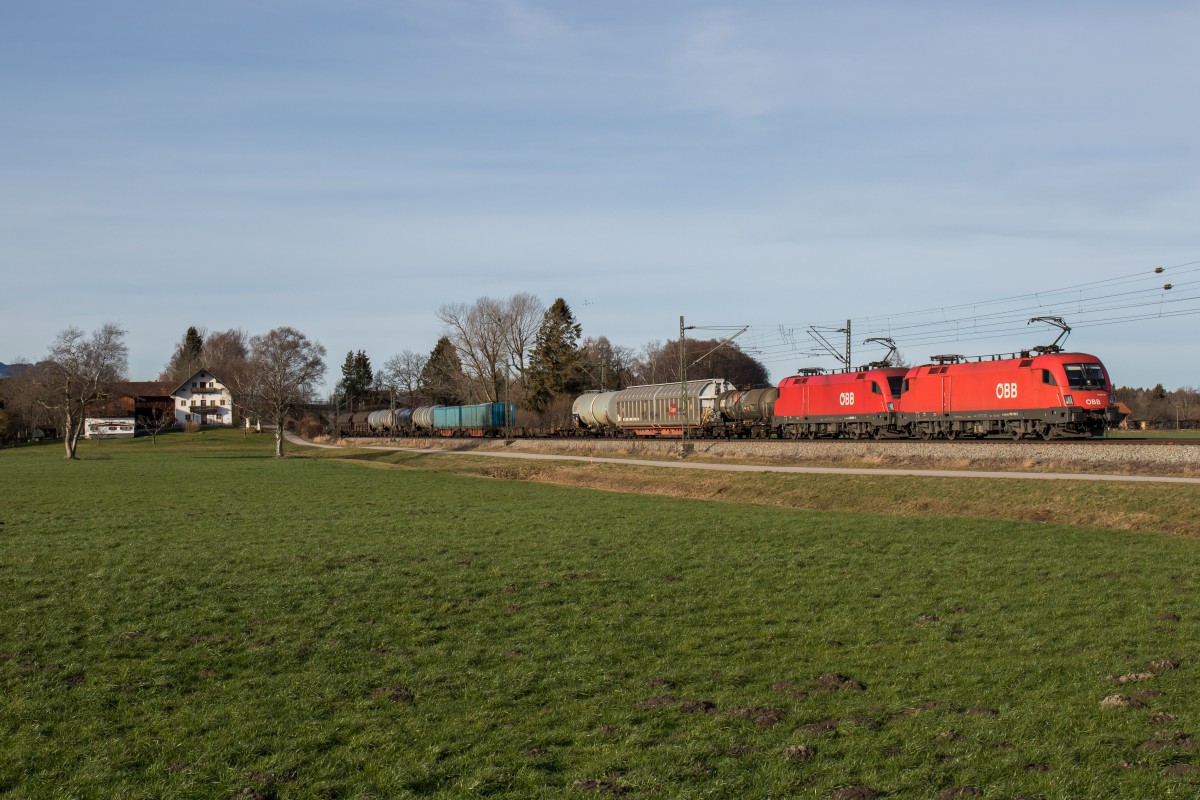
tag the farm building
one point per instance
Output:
(204, 399)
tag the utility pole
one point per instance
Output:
(849, 363)
(682, 376)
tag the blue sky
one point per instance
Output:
(348, 167)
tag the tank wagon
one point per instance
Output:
(660, 409)
(484, 419)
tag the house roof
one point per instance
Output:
(193, 375)
(142, 389)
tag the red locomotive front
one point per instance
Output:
(854, 404)
(1048, 395)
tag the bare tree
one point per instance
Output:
(23, 394)
(607, 365)
(521, 318)
(402, 374)
(705, 358)
(154, 424)
(1184, 399)
(279, 377)
(491, 337)
(222, 348)
(78, 372)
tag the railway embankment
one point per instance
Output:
(1107, 456)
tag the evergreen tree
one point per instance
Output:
(442, 379)
(193, 343)
(555, 367)
(186, 359)
(356, 376)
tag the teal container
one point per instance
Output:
(485, 416)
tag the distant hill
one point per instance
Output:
(12, 369)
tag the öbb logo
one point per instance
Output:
(846, 399)
(1006, 391)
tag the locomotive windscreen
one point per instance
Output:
(1085, 376)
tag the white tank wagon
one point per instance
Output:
(595, 410)
(661, 409)
(422, 418)
(382, 420)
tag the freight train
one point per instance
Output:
(1028, 394)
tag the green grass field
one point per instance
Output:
(195, 619)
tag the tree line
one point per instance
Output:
(518, 351)
(1160, 409)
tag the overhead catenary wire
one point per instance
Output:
(1156, 293)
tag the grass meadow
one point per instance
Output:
(195, 619)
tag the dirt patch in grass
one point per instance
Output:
(397, 694)
(657, 702)
(698, 707)
(854, 793)
(799, 752)
(762, 717)
(1163, 740)
(608, 785)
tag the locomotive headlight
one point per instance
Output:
(1069, 399)
(891, 406)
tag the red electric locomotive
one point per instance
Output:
(1028, 394)
(851, 404)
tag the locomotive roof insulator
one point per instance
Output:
(948, 358)
(811, 371)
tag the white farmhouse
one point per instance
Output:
(204, 399)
